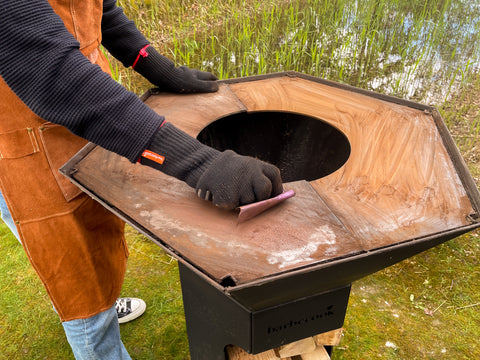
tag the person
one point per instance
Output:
(55, 95)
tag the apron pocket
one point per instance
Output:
(60, 145)
(18, 143)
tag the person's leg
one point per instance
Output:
(97, 337)
(7, 217)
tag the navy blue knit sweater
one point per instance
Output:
(41, 62)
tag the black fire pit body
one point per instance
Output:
(215, 320)
(377, 180)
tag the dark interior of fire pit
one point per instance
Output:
(303, 147)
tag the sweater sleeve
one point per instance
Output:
(41, 62)
(120, 35)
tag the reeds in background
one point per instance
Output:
(423, 50)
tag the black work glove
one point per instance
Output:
(162, 72)
(225, 178)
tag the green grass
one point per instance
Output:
(426, 307)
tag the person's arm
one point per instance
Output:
(120, 36)
(125, 42)
(227, 178)
(41, 62)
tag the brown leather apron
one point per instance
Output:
(75, 245)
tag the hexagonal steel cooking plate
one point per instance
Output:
(400, 188)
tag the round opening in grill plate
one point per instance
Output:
(303, 147)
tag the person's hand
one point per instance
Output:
(162, 73)
(192, 81)
(225, 178)
(232, 180)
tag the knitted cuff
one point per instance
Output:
(177, 154)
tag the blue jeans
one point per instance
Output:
(7, 218)
(97, 337)
(94, 338)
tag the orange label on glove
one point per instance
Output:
(153, 156)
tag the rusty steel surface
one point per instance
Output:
(400, 182)
(300, 231)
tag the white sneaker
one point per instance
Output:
(129, 309)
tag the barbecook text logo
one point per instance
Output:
(302, 321)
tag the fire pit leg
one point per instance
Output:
(215, 319)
